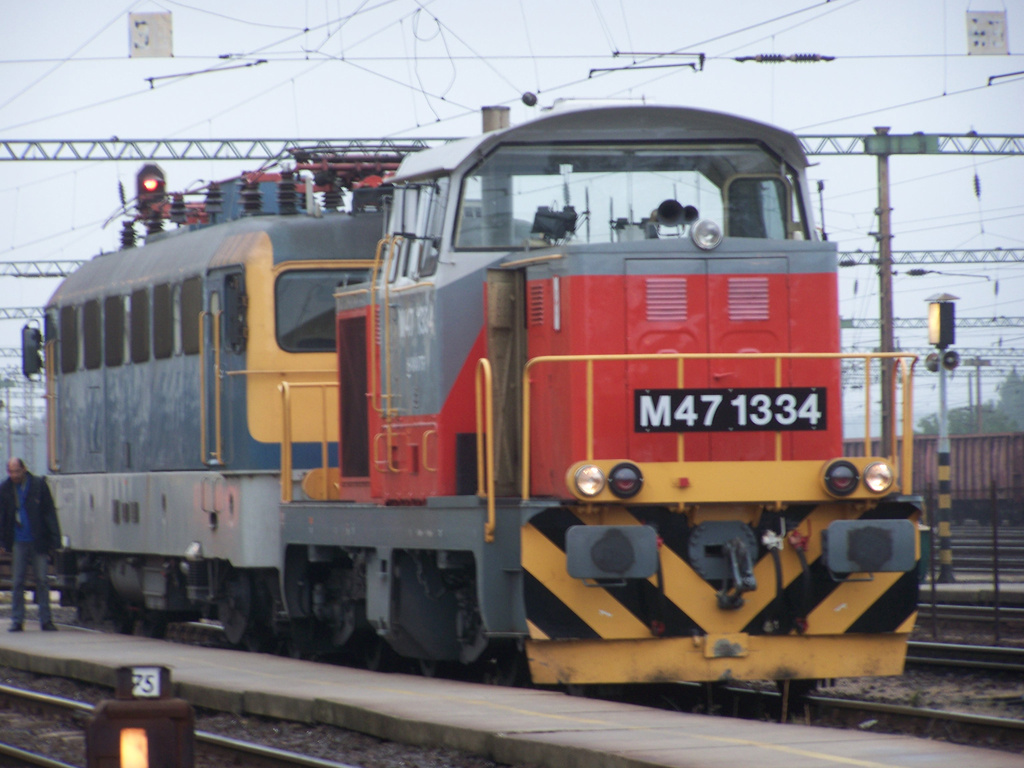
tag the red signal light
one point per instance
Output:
(150, 187)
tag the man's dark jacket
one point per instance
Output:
(42, 515)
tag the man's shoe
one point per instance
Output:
(47, 627)
(14, 628)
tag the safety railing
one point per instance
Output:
(904, 363)
(49, 362)
(206, 457)
(286, 389)
(485, 442)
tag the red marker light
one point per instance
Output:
(150, 184)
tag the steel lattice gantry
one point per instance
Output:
(199, 149)
(116, 148)
(921, 322)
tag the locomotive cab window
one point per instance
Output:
(304, 307)
(417, 216)
(523, 196)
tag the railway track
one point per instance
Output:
(18, 706)
(985, 657)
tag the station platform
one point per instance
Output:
(508, 725)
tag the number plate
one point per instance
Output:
(146, 682)
(765, 409)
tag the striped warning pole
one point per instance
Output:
(945, 499)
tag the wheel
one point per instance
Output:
(235, 610)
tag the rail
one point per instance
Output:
(285, 388)
(903, 361)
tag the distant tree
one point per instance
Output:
(964, 421)
(1011, 398)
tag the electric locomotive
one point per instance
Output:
(590, 417)
(163, 363)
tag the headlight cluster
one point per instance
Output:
(624, 480)
(842, 478)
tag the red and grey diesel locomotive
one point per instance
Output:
(573, 399)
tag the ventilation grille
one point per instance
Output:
(666, 299)
(535, 311)
(748, 298)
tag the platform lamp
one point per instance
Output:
(942, 334)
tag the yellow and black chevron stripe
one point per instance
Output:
(669, 627)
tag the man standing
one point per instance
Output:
(30, 531)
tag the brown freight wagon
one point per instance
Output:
(976, 463)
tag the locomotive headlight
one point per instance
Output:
(878, 477)
(625, 480)
(841, 478)
(589, 480)
(706, 234)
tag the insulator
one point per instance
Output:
(178, 212)
(977, 187)
(154, 223)
(333, 198)
(214, 201)
(807, 57)
(770, 58)
(252, 199)
(127, 235)
(286, 204)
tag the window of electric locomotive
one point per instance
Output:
(304, 307)
(613, 189)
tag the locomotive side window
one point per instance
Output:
(530, 195)
(68, 339)
(191, 306)
(432, 217)
(236, 302)
(140, 325)
(757, 207)
(163, 322)
(113, 331)
(304, 307)
(418, 216)
(92, 335)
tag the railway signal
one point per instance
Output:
(942, 333)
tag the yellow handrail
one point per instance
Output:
(904, 462)
(287, 465)
(485, 442)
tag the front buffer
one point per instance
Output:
(707, 590)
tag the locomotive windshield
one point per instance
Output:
(528, 195)
(304, 302)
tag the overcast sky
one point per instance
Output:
(334, 69)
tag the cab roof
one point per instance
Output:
(605, 123)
